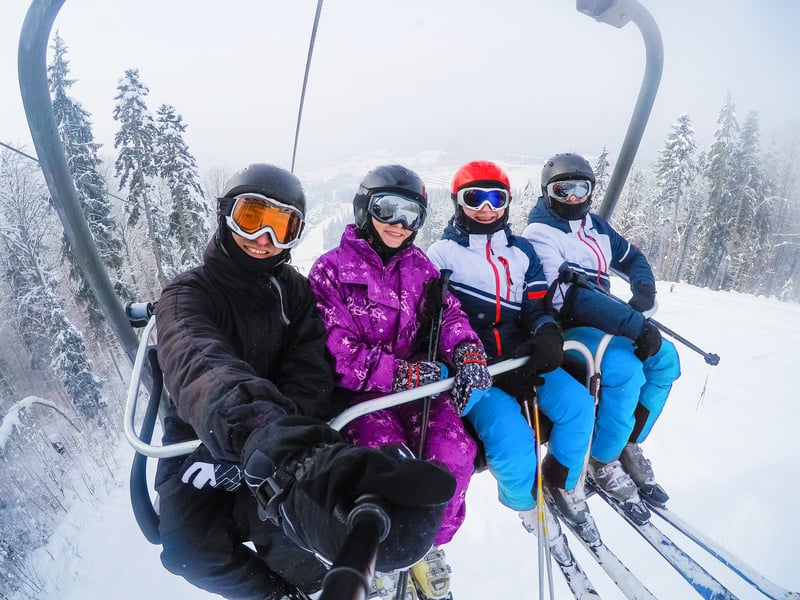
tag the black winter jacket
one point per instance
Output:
(240, 349)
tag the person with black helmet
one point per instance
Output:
(578, 248)
(259, 510)
(371, 293)
(499, 280)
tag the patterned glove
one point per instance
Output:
(201, 470)
(472, 377)
(409, 375)
(648, 342)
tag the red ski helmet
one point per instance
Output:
(479, 174)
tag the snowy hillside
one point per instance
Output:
(726, 449)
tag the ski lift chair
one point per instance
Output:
(141, 315)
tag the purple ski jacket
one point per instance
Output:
(370, 311)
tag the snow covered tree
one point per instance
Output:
(189, 214)
(52, 341)
(75, 130)
(136, 166)
(782, 164)
(752, 223)
(717, 232)
(677, 201)
(602, 173)
(632, 216)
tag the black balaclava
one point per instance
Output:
(373, 238)
(256, 266)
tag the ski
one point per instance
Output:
(701, 580)
(622, 577)
(734, 563)
(576, 578)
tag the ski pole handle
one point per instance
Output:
(349, 577)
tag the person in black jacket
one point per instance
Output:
(243, 353)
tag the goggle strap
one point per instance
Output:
(224, 206)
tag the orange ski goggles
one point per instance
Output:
(253, 215)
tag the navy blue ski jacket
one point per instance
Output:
(590, 247)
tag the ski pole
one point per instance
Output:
(349, 577)
(567, 275)
(543, 545)
(710, 358)
(433, 351)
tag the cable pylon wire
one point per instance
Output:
(305, 80)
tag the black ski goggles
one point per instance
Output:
(475, 198)
(562, 190)
(391, 208)
(253, 215)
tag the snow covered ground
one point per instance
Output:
(726, 449)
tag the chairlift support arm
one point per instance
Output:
(32, 71)
(618, 13)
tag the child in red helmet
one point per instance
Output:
(499, 279)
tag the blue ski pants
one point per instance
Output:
(632, 392)
(509, 441)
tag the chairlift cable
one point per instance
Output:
(305, 80)
(20, 152)
(36, 160)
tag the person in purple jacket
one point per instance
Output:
(371, 293)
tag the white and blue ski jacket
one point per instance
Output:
(500, 282)
(589, 247)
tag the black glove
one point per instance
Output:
(409, 375)
(320, 478)
(648, 342)
(546, 351)
(545, 348)
(471, 378)
(201, 469)
(644, 297)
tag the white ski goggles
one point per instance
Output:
(562, 190)
(475, 197)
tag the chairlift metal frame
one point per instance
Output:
(32, 70)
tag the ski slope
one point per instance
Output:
(726, 449)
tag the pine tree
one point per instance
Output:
(189, 214)
(602, 173)
(753, 224)
(81, 151)
(135, 165)
(50, 338)
(716, 233)
(677, 206)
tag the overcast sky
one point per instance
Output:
(482, 79)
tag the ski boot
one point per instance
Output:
(559, 549)
(618, 485)
(384, 586)
(431, 576)
(573, 508)
(641, 471)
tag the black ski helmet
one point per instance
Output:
(480, 174)
(267, 180)
(387, 178)
(567, 166)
